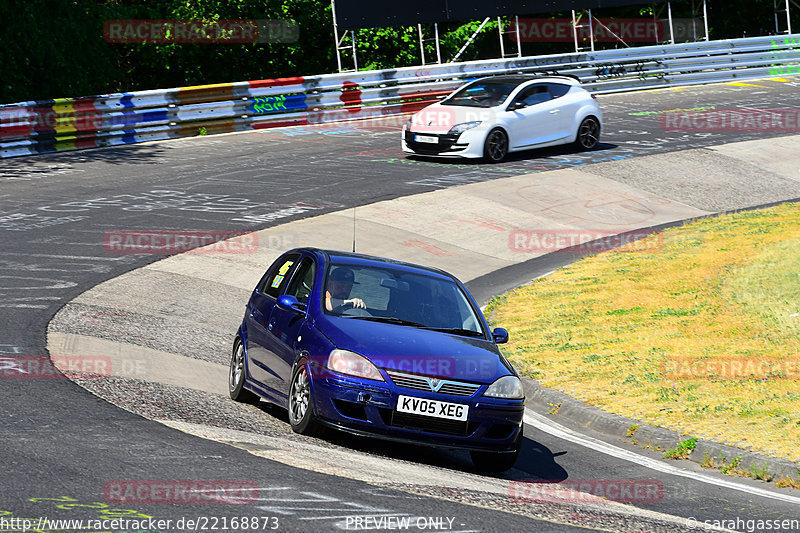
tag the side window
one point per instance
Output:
(557, 90)
(302, 281)
(275, 279)
(535, 95)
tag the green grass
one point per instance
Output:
(608, 329)
(682, 450)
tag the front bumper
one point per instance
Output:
(368, 408)
(467, 144)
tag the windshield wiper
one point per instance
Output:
(389, 320)
(459, 331)
(401, 322)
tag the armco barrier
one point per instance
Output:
(53, 125)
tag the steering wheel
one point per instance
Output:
(355, 311)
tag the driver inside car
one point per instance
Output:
(340, 283)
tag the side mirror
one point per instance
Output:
(290, 303)
(519, 104)
(500, 336)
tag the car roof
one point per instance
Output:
(340, 256)
(519, 79)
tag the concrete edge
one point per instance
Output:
(485, 287)
(546, 400)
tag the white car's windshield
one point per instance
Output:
(400, 297)
(487, 93)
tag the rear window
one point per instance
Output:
(558, 89)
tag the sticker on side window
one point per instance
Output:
(276, 282)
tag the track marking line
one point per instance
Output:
(741, 84)
(557, 430)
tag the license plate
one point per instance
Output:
(435, 408)
(426, 139)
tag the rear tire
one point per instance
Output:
(301, 403)
(588, 134)
(236, 376)
(496, 462)
(495, 148)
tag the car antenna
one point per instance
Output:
(354, 230)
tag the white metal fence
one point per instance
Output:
(54, 125)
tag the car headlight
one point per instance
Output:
(352, 364)
(509, 387)
(464, 126)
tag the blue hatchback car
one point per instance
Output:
(379, 348)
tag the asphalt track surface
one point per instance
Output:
(62, 443)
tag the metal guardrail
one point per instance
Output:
(54, 125)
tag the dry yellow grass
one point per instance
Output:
(612, 329)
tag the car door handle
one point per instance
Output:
(554, 111)
(271, 323)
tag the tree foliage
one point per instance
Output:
(56, 48)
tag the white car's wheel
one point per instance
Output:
(588, 134)
(495, 148)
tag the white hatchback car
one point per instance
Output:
(491, 117)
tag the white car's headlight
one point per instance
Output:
(464, 126)
(352, 364)
(509, 387)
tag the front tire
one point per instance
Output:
(301, 403)
(588, 134)
(495, 148)
(236, 376)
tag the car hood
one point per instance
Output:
(438, 118)
(417, 351)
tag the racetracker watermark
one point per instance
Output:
(438, 118)
(561, 30)
(732, 120)
(441, 366)
(644, 30)
(587, 490)
(180, 241)
(542, 241)
(131, 492)
(55, 367)
(200, 31)
(730, 368)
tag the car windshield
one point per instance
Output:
(399, 297)
(487, 93)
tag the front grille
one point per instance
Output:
(459, 389)
(445, 144)
(411, 381)
(427, 423)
